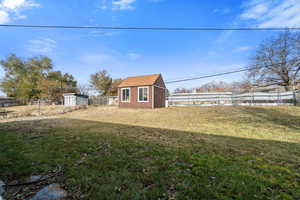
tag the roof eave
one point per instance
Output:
(124, 86)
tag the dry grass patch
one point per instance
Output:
(172, 153)
(35, 110)
(268, 123)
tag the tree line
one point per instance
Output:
(218, 86)
(35, 78)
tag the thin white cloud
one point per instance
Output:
(19, 17)
(244, 48)
(104, 4)
(269, 13)
(107, 57)
(98, 33)
(123, 4)
(265, 14)
(222, 11)
(10, 4)
(11, 9)
(17, 4)
(255, 10)
(99, 58)
(43, 45)
(133, 56)
(4, 17)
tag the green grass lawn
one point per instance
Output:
(173, 153)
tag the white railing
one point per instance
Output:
(228, 98)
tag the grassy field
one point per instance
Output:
(172, 153)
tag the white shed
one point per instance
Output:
(73, 99)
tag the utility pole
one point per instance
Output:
(278, 97)
(39, 103)
(61, 91)
(294, 93)
(252, 98)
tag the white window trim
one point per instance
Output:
(138, 96)
(122, 95)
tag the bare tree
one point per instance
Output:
(214, 86)
(182, 90)
(83, 89)
(277, 61)
(242, 86)
(219, 86)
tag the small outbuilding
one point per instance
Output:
(147, 91)
(73, 99)
(8, 101)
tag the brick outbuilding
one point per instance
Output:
(147, 91)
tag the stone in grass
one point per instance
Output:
(50, 192)
(2, 184)
(34, 179)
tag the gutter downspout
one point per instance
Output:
(153, 97)
(119, 98)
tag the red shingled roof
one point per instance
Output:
(139, 80)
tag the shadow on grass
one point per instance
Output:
(274, 116)
(117, 161)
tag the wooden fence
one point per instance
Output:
(229, 98)
(103, 100)
(8, 101)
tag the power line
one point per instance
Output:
(151, 28)
(221, 74)
(207, 76)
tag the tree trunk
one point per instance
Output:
(287, 88)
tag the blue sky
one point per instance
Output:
(175, 54)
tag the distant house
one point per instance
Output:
(147, 91)
(73, 99)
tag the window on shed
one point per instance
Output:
(143, 94)
(125, 94)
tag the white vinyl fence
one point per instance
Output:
(229, 98)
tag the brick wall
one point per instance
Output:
(159, 97)
(133, 99)
(160, 93)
